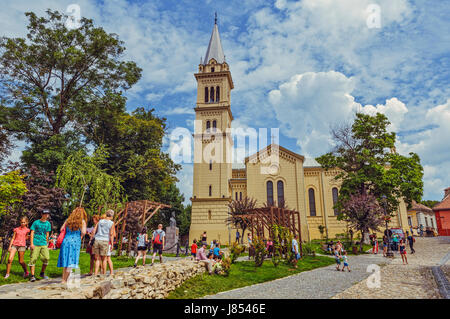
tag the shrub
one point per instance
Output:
(235, 251)
(226, 266)
(260, 251)
(308, 249)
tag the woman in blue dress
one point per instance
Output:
(69, 255)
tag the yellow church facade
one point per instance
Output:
(272, 175)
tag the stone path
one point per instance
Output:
(397, 281)
(318, 283)
(411, 281)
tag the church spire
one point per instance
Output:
(215, 46)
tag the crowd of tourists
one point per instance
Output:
(100, 244)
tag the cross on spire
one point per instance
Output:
(215, 17)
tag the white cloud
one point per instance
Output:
(394, 109)
(179, 110)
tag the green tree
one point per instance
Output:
(12, 187)
(430, 203)
(55, 76)
(85, 181)
(367, 164)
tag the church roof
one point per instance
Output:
(215, 50)
(311, 162)
(269, 147)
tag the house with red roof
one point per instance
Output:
(442, 211)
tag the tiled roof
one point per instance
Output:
(420, 207)
(444, 205)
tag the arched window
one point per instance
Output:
(209, 214)
(280, 193)
(211, 95)
(335, 199)
(206, 95)
(217, 94)
(240, 195)
(210, 190)
(214, 125)
(210, 165)
(270, 193)
(208, 125)
(312, 202)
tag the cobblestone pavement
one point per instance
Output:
(397, 281)
(412, 281)
(319, 283)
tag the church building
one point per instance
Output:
(297, 181)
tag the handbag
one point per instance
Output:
(60, 239)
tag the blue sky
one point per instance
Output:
(301, 66)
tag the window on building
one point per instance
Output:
(426, 221)
(211, 95)
(209, 214)
(214, 125)
(240, 195)
(269, 193)
(280, 193)
(335, 199)
(208, 125)
(210, 165)
(212, 69)
(217, 94)
(206, 95)
(210, 190)
(312, 202)
(236, 195)
(409, 221)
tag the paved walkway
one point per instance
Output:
(412, 281)
(397, 281)
(318, 283)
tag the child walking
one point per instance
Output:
(403, 252)
(337, 257)
(194, 249)
(345, 259)
(18, 243)
(40, 231)
(142, 240)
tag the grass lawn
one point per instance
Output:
(52, 271)
(243, 274)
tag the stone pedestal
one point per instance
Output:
(171, 240)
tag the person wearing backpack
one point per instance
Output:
(158, 240)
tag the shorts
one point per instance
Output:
(194, 254)
(345, 264)
(297, 256)
(142, 248)
(157, 248)
(19, 248)
(403, 252)
(338, 261)
(109, 250)
(101, 248)
(42, 252)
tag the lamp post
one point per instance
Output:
(389, 253)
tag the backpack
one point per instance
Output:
(157, 239)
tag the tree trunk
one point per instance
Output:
(361, 241)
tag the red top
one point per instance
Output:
(194, 248)
(21, 236)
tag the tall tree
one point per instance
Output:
(368, 164)
(12, 187)
(54, 76)
(87, 183)
(237, 210)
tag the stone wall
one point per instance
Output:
(149, 282)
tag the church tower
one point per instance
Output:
(212, 144)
